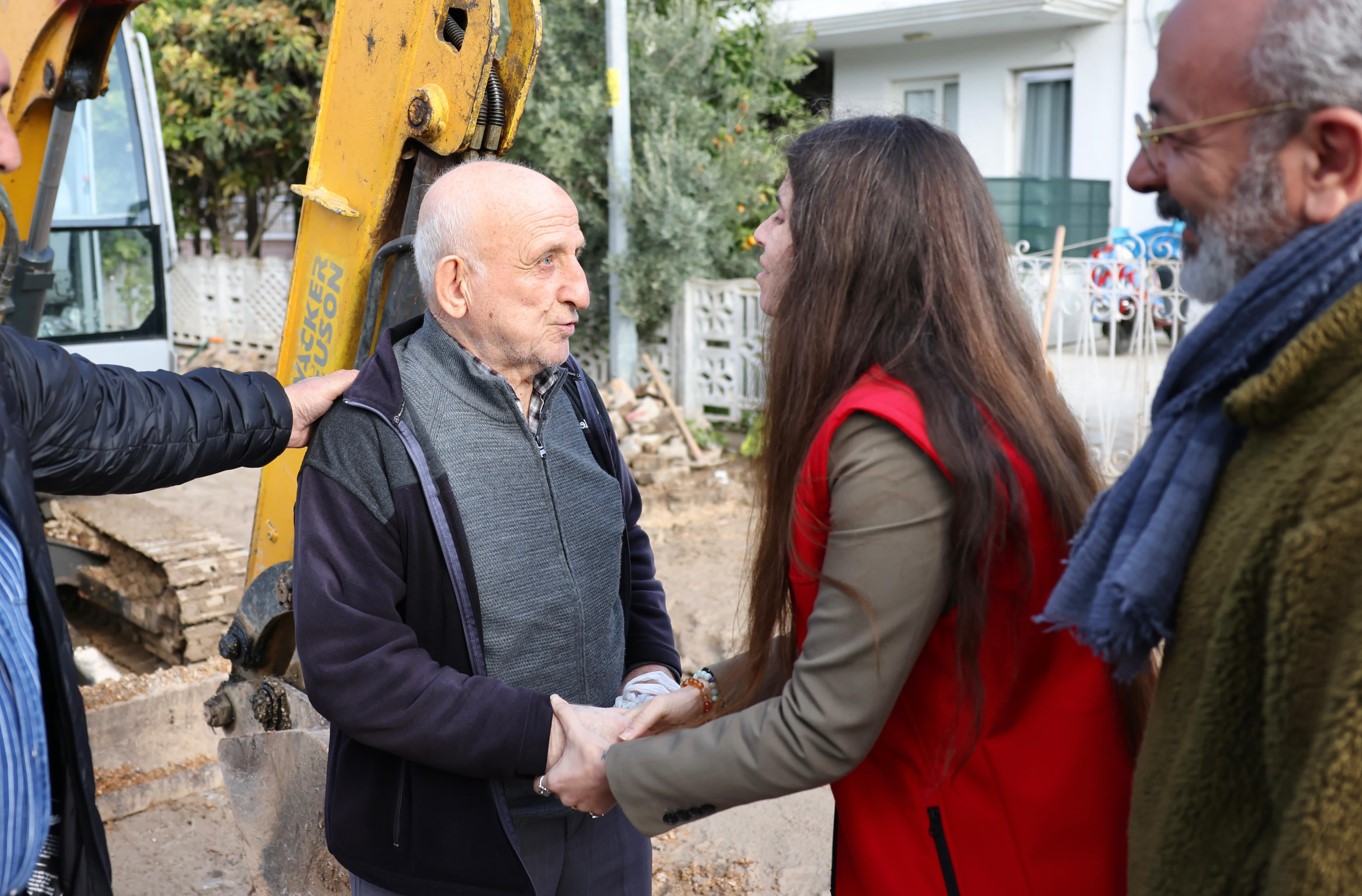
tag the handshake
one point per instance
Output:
(581, 735)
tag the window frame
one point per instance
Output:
(1024, 79)
(902, 87)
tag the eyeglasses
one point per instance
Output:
(1151, 137)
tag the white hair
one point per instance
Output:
(1308, 52)
(1243, 230)
(446, 228)
(442, 229)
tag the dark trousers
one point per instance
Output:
(576, 855)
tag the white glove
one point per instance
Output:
(640, 690)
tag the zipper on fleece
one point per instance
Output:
(397, 810)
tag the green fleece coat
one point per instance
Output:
(1250, 778)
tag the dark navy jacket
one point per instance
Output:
(388, 634)
(71, 427)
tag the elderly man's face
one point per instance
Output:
(1210, 177)
(525, 298)
(9, 144)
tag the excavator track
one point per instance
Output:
(177, 583)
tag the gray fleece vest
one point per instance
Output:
(543, 527)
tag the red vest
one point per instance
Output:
(1039, 806)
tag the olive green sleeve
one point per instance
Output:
(890, 509)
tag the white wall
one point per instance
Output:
(1141, 39)
(802, 10)
(1112, 64)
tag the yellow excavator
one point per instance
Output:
(410, 88)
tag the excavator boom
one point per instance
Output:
(410, 88)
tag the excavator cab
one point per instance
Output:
(113, 232)
(87, 233)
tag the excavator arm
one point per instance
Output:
(411, 87)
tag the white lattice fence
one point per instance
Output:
(595, 358)
(1113, 324)
(238, 300)
(242, 301)
(718, 330)
(1109, 382)
(711, 350)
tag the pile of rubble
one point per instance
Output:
(657, 442)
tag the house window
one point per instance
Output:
(937, 101)
(1047, 118)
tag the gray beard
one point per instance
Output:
(1242, 233)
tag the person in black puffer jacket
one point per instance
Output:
(68, 426)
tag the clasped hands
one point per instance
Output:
(581, 735)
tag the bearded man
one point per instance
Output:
(1236, 534)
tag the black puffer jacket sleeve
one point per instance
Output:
(97, 429)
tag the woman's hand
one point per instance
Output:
(578, 777)
(679, 709)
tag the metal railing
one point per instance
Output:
(1113, 322)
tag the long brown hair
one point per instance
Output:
(899, 260)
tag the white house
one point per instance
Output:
(1042, 92)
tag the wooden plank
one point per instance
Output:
(679, 417)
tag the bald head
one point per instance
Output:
(1265, 51)
(465, 210)
(498, 247)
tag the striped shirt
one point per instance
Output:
(25, 789)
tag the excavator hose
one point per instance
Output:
(9, 255)
(492, 114)
(373, 306)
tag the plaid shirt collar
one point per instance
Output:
(539, 391)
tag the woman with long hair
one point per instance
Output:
(919, 480)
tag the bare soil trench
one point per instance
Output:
(699, 527)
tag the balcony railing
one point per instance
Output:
(1031, 208)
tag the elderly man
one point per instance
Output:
(1237, 532)
(468, 544)
(71, 427)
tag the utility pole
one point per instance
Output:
(623, 333)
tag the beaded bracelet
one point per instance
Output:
(703, 681)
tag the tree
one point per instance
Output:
(711, 93)
(238, 86)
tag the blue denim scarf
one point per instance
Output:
(1128, 561)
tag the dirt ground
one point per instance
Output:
(699, 527)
